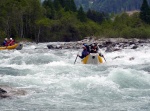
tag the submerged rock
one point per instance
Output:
(118, 57)
(132, 58)
(9, 92)
(2, 91)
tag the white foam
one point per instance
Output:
(53, 76)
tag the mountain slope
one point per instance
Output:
(111, 6)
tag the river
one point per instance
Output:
(54, 83)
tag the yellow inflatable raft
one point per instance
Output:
(93, 58)
(10, 47)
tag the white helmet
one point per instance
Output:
(11, 39)
(6, 39)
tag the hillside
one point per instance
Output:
(110, 6)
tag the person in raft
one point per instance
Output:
(5, 42)
(94, 48)
(84, 52)
(10, 42)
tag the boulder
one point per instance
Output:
(50, 46)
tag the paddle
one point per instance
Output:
(75, 59)
(6, 47)
(8, 44)
(104, 58)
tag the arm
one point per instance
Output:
(84, 53)
(81, 56)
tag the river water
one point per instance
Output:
(54, 83)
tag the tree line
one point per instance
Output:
(61, 20)
(51, 20)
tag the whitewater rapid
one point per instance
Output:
(54, 83)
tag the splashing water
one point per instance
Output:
(54, 83)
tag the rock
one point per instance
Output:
(50, 46)
(19, 47)
(111, 44)
(112, 48)
(132, 58)
(2, 91)
(134, 47)
(118, 57)
(131, 43)
(58, 47)
(9, 92)
(4, 96)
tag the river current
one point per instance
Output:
(54, 83)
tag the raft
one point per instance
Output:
(93, 58)
(15, 46)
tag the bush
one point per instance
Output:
(135, 33)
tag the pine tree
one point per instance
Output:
(73, 6)
(70, 6)
(50, 11)
(81, 15)
(96, 16)
(57, 5)
(62, 3)
(67, 5)
(145, 12)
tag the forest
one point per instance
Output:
(61, 20)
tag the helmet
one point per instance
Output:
(6, 39)
(11, 39)
(83, 46)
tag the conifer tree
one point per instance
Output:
(70, 5)
(57, 5)
(145, 12)
(62, 3)
(73, 6)
(67, 5)
(48, 5)
(81, 15)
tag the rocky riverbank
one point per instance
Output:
(110, 44)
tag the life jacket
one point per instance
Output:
(12, 42)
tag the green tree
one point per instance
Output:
(81, 15)
(49, 7)
(62, 3)
(70, 6)
(96, 16)
(57, 5)
(34, 11)
(41, 24)
(73, 6)
(145, 12)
